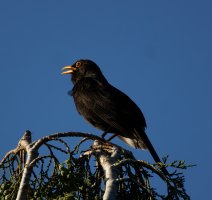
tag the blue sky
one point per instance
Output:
(158, 52)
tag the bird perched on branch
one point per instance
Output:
(106, 107)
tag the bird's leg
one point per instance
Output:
(113, 136)
(105, 133)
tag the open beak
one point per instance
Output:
(69, 70)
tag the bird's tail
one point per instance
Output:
(141, 141)
(133, 142)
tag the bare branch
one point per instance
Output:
(67, 172)
(111, 172)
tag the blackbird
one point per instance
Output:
(106, 107)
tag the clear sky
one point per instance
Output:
(158, 52)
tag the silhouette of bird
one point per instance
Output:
(106, 107)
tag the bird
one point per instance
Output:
(106, 107)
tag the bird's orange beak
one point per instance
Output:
(69, 69)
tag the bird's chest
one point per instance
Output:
(84, 98)
(87, 97)
(83, 101)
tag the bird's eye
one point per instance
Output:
(78, 64)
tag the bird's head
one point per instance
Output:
(83, 69)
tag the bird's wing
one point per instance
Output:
(105, 107)
(120, 112)
(116, 109)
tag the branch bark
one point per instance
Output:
(31, 155)
(111, 172)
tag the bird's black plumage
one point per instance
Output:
(106, 107)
